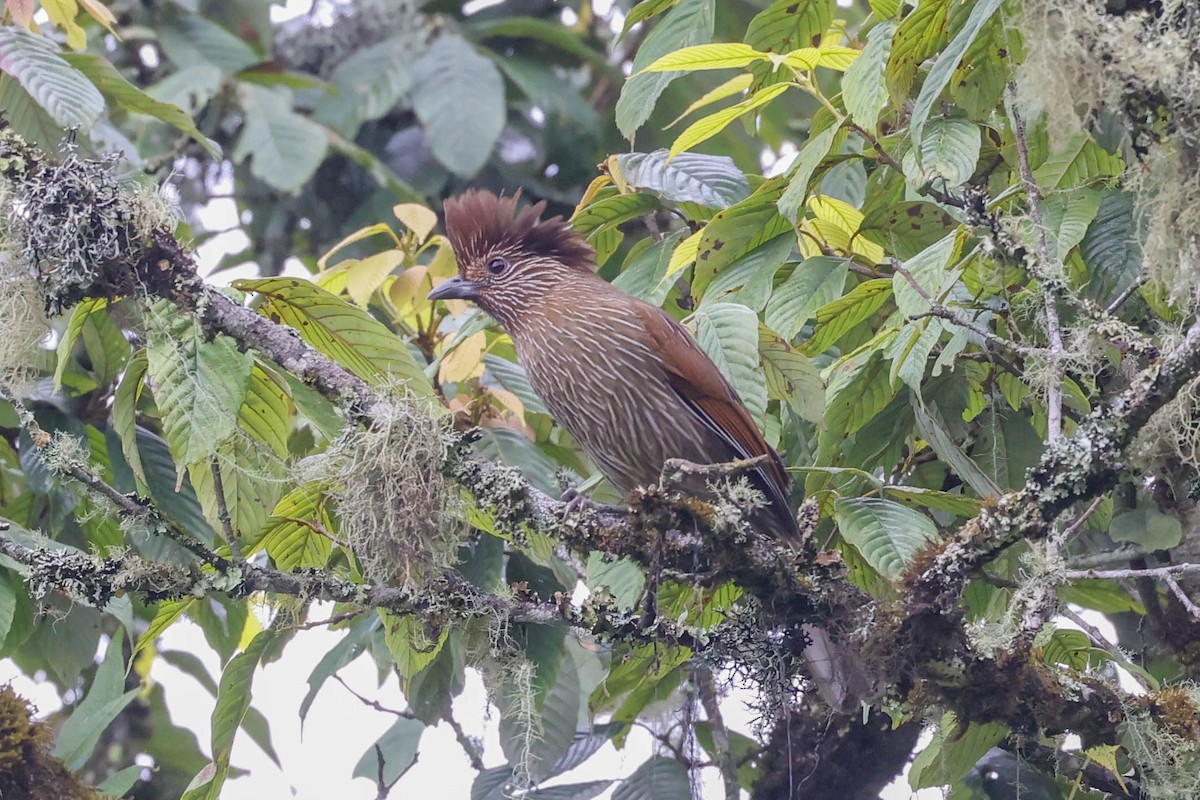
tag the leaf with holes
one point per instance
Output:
(886, 533)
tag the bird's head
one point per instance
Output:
(508, 258)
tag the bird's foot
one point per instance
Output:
(576, 501)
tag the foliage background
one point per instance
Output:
(981, 260)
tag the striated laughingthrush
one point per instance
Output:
(622, 376)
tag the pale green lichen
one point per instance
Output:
(1167, 753)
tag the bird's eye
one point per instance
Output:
(498, 266)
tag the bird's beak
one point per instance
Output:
(456, 288)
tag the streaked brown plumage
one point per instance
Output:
(627, 380)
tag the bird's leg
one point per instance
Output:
(576, 501)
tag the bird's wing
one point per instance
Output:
(703, 389)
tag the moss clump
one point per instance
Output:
(392, 498)
(27, 769)
(1160, 735)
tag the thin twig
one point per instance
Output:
(1062, 538)
(1126, 294)
(470, 746)
(1102, 642)
(1054, 354)
(1167, 574)
(375, 704)
(1181, 596)
(723, 753)
(223, 511)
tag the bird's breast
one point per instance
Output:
(601, 380)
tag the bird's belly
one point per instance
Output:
(626, 417)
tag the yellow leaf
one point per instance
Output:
(707, 56)
(444, 264)
(334, 280)
(806, 58)
(836, 56)
(684, 254)
(417, 218)
(707, 127)
(101, 14)
(849, 219)
(589, 194)
(357, 236)
(409, 288)
(465, 361)
(251, 629)
(509, 401)
(736, 84)
(62, 13)
(1106, 756)
(368, 274)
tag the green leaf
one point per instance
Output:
(947, 62)
(910, 352)
(1067, 216)
(857, 390)
(928, 269)
(887, 533)
(1100, 595)
(342, 331)
(199, 385)
(644, 11)
(233, 700)
(1080, 162)
(104, 702)
(812, 285)
(1148, 528)
(644, 274)
(709, 126)
(608, 212)
(728, 333)
(556, 722)
(946, 155)
(571, 791)
(193, 40)
(690, 22)
(735, 231)
(1006, 448)
(284, 147)
(112, 84)
(718, 55)
(710, 181)
(836, 319)
(66, 345)
(953, 753)
(791, 377)
(410, 643)
(368, 84)
(8, 603)
(956, 504)
(1110, 248)
(864, 90)
(394, 752)
(513, 378)
(811, 155)
(933, 430)
(344, 652)
(921, 34)
(431, 691)
(297, 534)
(620, 576)
(124, 415)
(59, 88)
(660, 778)
(788, 25)
(458, 96)
(120, 782)
(168, 612)
(905, 229)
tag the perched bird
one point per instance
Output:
(622, 376)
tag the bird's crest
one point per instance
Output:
(478, 223)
